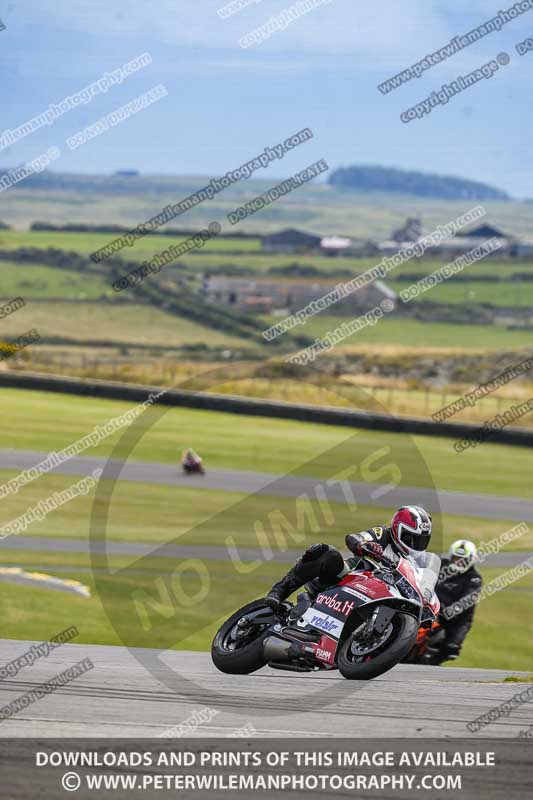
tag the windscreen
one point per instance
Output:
(428, 568)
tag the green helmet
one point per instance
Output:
(463, 555)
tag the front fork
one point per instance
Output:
(379, 619)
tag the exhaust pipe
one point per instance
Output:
(276, 649)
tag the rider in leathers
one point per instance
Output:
(322, 565)
(458, 590)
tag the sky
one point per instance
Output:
(226, 103)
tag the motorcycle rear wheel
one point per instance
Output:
(246, 656)
(397, 646)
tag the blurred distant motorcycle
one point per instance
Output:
(191, 463)
(191, 469)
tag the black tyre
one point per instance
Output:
(400, 637)
(240, 655)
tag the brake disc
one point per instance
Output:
(363, 646)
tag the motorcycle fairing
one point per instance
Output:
(407, 586)
(326, 650)
(332, 607)
(368, 586)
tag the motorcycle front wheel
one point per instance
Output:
(237, 648)
(362, 658)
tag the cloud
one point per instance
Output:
(378, 30)
(385, 35)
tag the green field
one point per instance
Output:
(87, 243)
(98, 313)
(39, 281)
(45, 289)
(127, 323)
(503, 293)
(329, 267)
(413, 333)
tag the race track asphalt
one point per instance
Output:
(177, 551)
(143, 693)
(460, 503)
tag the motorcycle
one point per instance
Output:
(193, 468)
(429, 647)
(363, 626)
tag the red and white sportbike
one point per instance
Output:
(364, 626)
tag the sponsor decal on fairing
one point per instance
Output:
(344, 607)
(359, 595)
(326, 649)
(323, 622)
(367, 590)
(324, 655)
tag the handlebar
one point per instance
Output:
(381, 560)
(387, 562)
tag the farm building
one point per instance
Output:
(486, 232)
(452, 247)
(290, 240)
(266, 295)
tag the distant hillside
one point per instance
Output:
(106, 184)
(420, 184)
(318, 208)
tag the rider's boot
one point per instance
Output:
(283, 588)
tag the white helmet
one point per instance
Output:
(462, 555)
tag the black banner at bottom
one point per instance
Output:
(242, 768)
